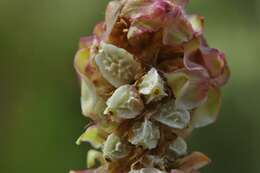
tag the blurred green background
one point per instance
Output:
(40, 109)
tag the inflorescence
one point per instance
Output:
(148, 79)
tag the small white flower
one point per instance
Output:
(125, 103)
(152, 86)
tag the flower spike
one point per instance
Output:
(148, 80)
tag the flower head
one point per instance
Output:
(148, 79)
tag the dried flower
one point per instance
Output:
(148, 79)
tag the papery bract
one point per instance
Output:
(178, 28)
(116, 65)
(112, 14)
(189, 88)
(92, 104)
(125, 103)
(210, 61)
(194, 161)
(145, 134)
(179, 146)
(94, 135)
(93, 156)
(207, 113)
(170, 116)
(114, 148)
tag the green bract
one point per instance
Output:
(169, 115)
(152, 86)
(114, 148)
(93, 135)
(125, 103)
(145, 134)
(197, 23)
(117, 65)
(93, 156)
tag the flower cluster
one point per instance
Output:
(148, 79)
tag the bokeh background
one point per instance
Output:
(40, 116)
